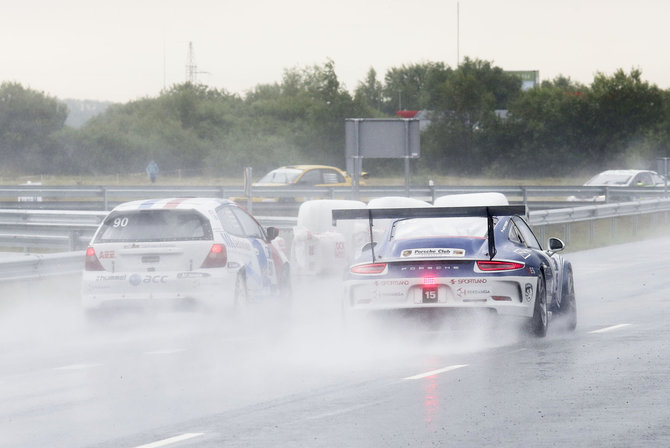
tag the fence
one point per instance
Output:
(266, 198)
(58, 230)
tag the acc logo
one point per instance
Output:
(155, 279)
(136, 279)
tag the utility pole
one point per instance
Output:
(458, 34)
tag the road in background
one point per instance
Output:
(297, 378)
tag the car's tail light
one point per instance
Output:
(371, 268)
(217, 257)
(494, 265)
(92, 263)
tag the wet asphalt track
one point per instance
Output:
(297, 379)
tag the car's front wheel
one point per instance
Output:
(539, 323)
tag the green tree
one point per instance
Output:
(465, 105)
(413, 87)
(28, 122)
(370, 92)
(553, 123)
(627, 109)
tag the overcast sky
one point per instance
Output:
(123, 50)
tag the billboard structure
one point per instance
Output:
(381, 138)
(529, 78)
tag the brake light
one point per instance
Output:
(494, 265)
(92, 263)
(372, 268)
(429, 282)
(216, 258)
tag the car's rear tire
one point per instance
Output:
(539, 323)
(567, 308)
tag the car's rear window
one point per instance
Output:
(609, 179)
(154, 225)
(280, 176)
(440, 227)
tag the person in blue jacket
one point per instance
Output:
(152, 171)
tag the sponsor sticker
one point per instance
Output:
(524, 253)
(468, 281)
(528, 292)
(433, 252)
(464, 292)
(107, 254)
(392, 283)
(106, 278)
(189, 275)
(137, 279)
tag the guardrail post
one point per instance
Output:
(524, 195)
(542, 230)
(74, 238)
(104, 199)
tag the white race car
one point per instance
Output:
(318, 246)
(182, 251)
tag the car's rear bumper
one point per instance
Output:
(124, 289)
(509, 296)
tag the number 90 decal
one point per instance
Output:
(120, 221)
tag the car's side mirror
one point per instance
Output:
(555, 245)
(272, 233)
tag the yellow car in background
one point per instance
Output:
(305, 175)
(300, 176)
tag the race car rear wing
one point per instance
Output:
(487, 212)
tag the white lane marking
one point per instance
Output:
(435, 372)
(345, 410)
(613, 327)
(77, 367)
(167, 351)
(171, 440)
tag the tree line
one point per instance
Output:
(481, 122)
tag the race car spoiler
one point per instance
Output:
(487, 212)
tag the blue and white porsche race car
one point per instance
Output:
(475, 257)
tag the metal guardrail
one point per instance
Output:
(106, 197)
(48, 229)
(69, 230)
(601, 211)
(72, 230)
(33, 266)
(83, 224)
